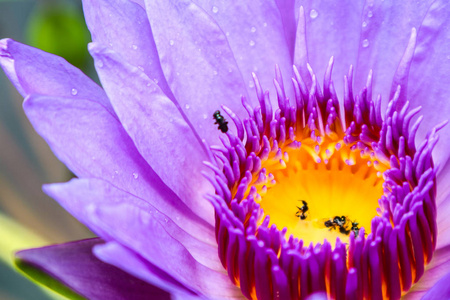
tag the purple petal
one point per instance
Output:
(74, 265)
(34, 71)
(115, 254)
(197, 62)
(429, 76)
(158, 130)
(260, 34)
(123, 26)
(83, 196)
(385, 30)
(92, 143)
(441, 290)
(160, 248)
(332, 29)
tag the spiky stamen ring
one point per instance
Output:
(364, 167)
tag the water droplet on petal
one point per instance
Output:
(99, 63)
(74, 92)
(215, 9)
(140, 68)
(205, 116)
(251, 43)
(215, 72)
(251, 84)
(187, 106)
(253, 29)
(171, 42)
(364, 24)
(135, 175)
(230, 70)
(313, 14)
(134, 47)
(365, 43)
(227, 33)
(370, 14)
(265, 24)
(156, 80)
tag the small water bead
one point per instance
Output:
(135, 175)
(265, 24)
(187, 106)
(251, 43)
(364, 24)
(171, 42)
(74, 92)
(215, 9)
(313, 14)
(205, 116)
(215, 72)
(365, 43)
(370, 14)
(134, 47)
(99, 63)
(253, 29)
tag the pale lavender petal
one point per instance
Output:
(115, 254)
(197, 62)
(34, 71)
(92, 143)
(332, 29)
(258, 36)
(109, 20)
(157, 128)
(153, 244)
(441, 290)
(81, 196)
(74, 265)
(430, 76)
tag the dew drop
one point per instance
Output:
(171, 42)
(251, 43)
(227, 33)
(156, 80)
(365, 43)
(74, 92)
(230, 70)
(215, 9)
(253, 29)
(140, 68)
(215, 72)
(99, 63)
(205, 116)
(364, 24)
(135, 175)
(370, 14)
(251, 84)
(134, 47)
(187, 106)
(265, 24)
(313, 14)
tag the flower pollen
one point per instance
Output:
(321, 197)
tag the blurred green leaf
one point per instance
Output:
(60, 29)
(45, 279)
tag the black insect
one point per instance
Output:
(301, 213)
(220, 120)
(355, 229)
(338, 223)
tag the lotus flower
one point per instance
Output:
(298, 194)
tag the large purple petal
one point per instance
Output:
(153, 244)
(332, 29)
(157, 128)
(197, 61)
(82, 196)
(385, 31)
(34, 71)
(74, 265)
(258, 35)
(115, 254)
(123, 26)
(92, 143)
(441, 290)
(429, 76)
